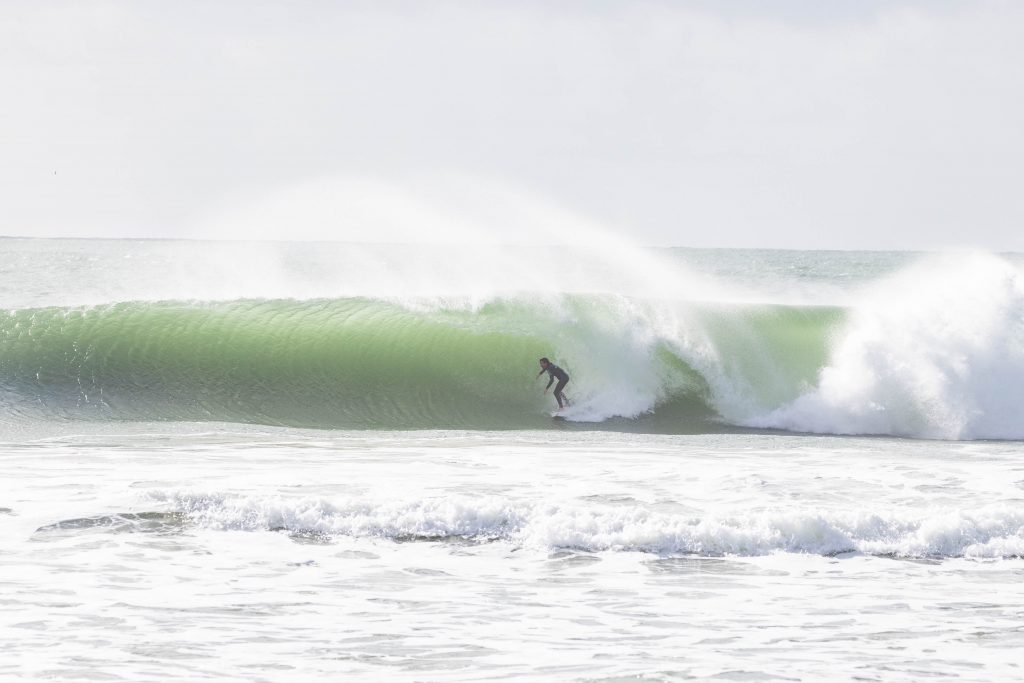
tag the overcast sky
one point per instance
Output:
(739, 124)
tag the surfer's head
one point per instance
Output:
(544, 362)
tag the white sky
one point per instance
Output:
(739, 124)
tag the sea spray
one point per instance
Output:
(936, 350)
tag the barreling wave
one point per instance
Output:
(930, 354)
(372, 364)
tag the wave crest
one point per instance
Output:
(987, 532)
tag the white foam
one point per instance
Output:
(987, 532)
(935, 351)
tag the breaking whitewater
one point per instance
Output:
(283, 461)
(672, 341)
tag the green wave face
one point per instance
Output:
(372, 364)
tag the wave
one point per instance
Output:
(936, 351)
(374, 364)
(987, 532)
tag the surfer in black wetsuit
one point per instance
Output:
(556, 373)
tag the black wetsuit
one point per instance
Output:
(563, 379)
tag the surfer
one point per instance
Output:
(556, 373)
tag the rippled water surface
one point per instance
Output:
(190, 552)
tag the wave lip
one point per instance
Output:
(995, 531)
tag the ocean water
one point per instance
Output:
(275, 461)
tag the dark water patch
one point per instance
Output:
(308, 537)
(925, 561)
(695, 564)
(454, 540)
(610, 499)
(357, 555)
(569, 559)
(425, 571)
(125, 522)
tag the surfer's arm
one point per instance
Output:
(550, 382)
